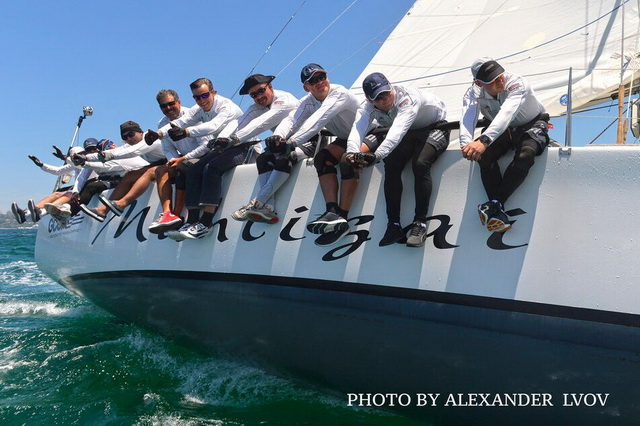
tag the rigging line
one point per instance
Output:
(317, 37)
(602, 132)
(271, 44)
(524, 50)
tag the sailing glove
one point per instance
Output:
(218, 144)
(151, 136)
(35, 160)
(176, 133)
(275, 144)
(369, 158)
(57, 152)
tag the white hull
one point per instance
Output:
(550, 306)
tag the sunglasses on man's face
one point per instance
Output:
(168, 104)
(258, 92)
(313, 80)
(91, 149)
(382, 96)
(128, 135)
(203, 96)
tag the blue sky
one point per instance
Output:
(115, 56)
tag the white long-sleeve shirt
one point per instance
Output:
(336, 113)
(412, 109)
(149, 153)
(117, 166)
(207, 123)
(257, 118)
(81, 180)
(60, 170)
(175, 149)
(514, 106)
(81, 175)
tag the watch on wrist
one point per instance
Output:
(484, 139)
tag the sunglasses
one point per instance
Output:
(483, 84)
(382, 96)
(313, 80)
(91, 149)
(128, 135)
(168, 104)
(203, 96)
(258, 92)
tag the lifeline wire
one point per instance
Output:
(317, 37)
(271, 44)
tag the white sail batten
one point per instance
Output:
(435, 44)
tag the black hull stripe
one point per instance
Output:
(535, 308)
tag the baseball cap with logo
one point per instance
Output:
(374, 84)
(308, 71)
(90, 142)
(485, 70)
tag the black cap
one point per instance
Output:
(90, 142)
(308, 71)
(485, 70)
(374, 84)
(254, 79)
(127, 126)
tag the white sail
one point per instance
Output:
(435, 44)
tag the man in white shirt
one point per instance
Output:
(180, 155)
(269, 108)
(412, 116)
(331, 107)
(211, 114)
(135, 182)
(518, 121)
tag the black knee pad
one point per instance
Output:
(282, 165)
(320, 163)
(265, 162)
(525, 158)
(347, 171)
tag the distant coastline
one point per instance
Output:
(7, 221)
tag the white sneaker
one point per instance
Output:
(198, 231)
(178, 234)
(241, 213)
(58, 209)
(264, 213)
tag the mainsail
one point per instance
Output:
(436, 42)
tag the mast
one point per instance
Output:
(622, 122)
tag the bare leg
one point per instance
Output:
(350, 186)
(329, 186)
(55, 198)
(134, 188)
(181, 195)
(329, 182)
(126, 183)
(138, 188)
(165, 190)
(347, 192)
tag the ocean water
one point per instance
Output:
(64, 361)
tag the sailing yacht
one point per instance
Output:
(552, 306)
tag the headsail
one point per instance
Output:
(436, 42)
